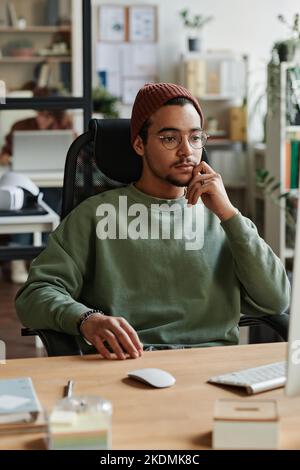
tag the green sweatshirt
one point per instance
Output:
(174, 288)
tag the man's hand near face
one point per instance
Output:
(208, 185)
(116, 331)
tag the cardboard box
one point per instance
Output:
(246, 424)
(238, 124)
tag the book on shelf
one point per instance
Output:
(287, 166)
(224, 76)
(232, 78)
(294, 164)
(238, 123)
(44, 75)
(195, 76)
(291, 164)
(51, 13)
(20, 409)
(11, 14)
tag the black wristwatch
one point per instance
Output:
(84, 317)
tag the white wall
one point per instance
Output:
(247, 26)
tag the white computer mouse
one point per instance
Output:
(156, 377)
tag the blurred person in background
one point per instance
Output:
(53, 119)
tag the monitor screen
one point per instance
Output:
(292, 387)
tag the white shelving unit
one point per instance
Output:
(278, 131)
(219, 81)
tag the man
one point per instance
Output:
(44, 120)
(166, 262)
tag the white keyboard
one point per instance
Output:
(257, 379)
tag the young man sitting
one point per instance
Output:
(165, 262)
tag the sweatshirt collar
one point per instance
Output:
(148, 200)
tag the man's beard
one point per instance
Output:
(168, 178)
(175, 182)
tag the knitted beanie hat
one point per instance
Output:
(151, 97)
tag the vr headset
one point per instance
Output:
(17, 192)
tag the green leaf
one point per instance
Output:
(275, 186)
(283, 195)
(270, 180)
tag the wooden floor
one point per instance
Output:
(10, 327)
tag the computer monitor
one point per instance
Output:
(40, 151)
(292, 387)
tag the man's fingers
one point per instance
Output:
(194, 195)
(206, 168)
(114, 344)
(98, 343)
(202, 167)
(132, 334)
(125, 341)
(198, 189)
(199, 184)
(199, 178)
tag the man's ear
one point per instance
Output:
(138, 146)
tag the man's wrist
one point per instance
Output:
(84, 316)
(228, 213)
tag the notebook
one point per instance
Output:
(20, 409)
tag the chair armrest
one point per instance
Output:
(55, 343)
(278, 323)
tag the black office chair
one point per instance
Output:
(100, 159)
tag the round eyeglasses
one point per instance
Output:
(173, 139)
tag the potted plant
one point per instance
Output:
(284, 51)
(271, 188)
(195, 24)
(104, 103)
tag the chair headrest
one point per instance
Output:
(113, 151)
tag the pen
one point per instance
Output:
(69, 389)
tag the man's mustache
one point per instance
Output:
(186, 162)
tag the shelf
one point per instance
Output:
(213, 142)
(36, 29)
(222, 142)
(292, 129)
(218, 97)
(33, 59)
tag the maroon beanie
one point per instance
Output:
(151, 97)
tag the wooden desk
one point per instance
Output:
(179, 417)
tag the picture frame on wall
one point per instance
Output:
(112, 24)
(142, 23)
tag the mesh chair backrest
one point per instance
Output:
(99, 160)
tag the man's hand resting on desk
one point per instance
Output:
(116, 331)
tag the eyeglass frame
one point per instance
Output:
(161, 137)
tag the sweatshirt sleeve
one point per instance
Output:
(265, 288)
(49, 298)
